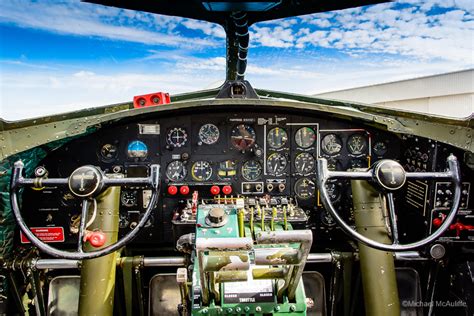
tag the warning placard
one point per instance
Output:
(251, 291)
(46, 234)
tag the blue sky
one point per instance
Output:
(62, 56)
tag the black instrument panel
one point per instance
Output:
(269, 155)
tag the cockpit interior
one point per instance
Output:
(237, 201)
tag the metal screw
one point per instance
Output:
(205, 311)
(258, 309)
(277, 308)
(229, 310)
(292, 308)
(238, 309)
(247, 309)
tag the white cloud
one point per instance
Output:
(385, 43)
(389, 28)
(206, 27)
(62, 92)
(83, 19)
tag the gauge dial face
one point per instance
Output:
(227, 170)
(331, 144)
(243, 136)
(327, 219)
(108, 152)
(129, 198)
(137, 149)
(209, 134)
(305, 188)
(305, 137)
(177, 137)
(176, 171)
(357, 143)
(277, 137)
(123, 221)
(201, 170)
(380, 148)
(304, 163)
(251, 170)
(334, 192)
(358, 163)
(276, 164)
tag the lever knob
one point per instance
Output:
(96, 239)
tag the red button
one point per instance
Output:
(227, 189)
(437, 222)
(96, 239)
(184, 190)
(172, 190)
(215, 190)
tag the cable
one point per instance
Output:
(94, 214)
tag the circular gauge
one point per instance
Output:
(331, 144)
(334, 165)
(277, 137)
(137, 149)
(358, 163)
(327, 219)
(357, 143)
(177, 137)
(123, 221)
(129, 198)
(305, 188)
(305, 137)
(209, 134)
(380, 148)
(227, 170)
(304, 163)
(251, 170)
(243, 136)
(333, 191)
(108, 152)
(176, 171)
(276, 164)
(201, 170)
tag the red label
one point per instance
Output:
(46, 234)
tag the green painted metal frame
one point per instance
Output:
(20, 136)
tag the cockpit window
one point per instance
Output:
(58, 57)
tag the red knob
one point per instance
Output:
(184, 190)
(457, 226)
(96, 239)
(172, 190)
(215, 190)
(437, 222)
(227, 189)
(460, 226)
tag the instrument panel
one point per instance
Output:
(269, 157)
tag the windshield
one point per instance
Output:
(62, 56)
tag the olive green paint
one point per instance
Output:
(16, 137)
(377, 267)
(98, 275)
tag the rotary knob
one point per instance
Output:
(216, 217)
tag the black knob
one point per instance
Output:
(216, 215)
